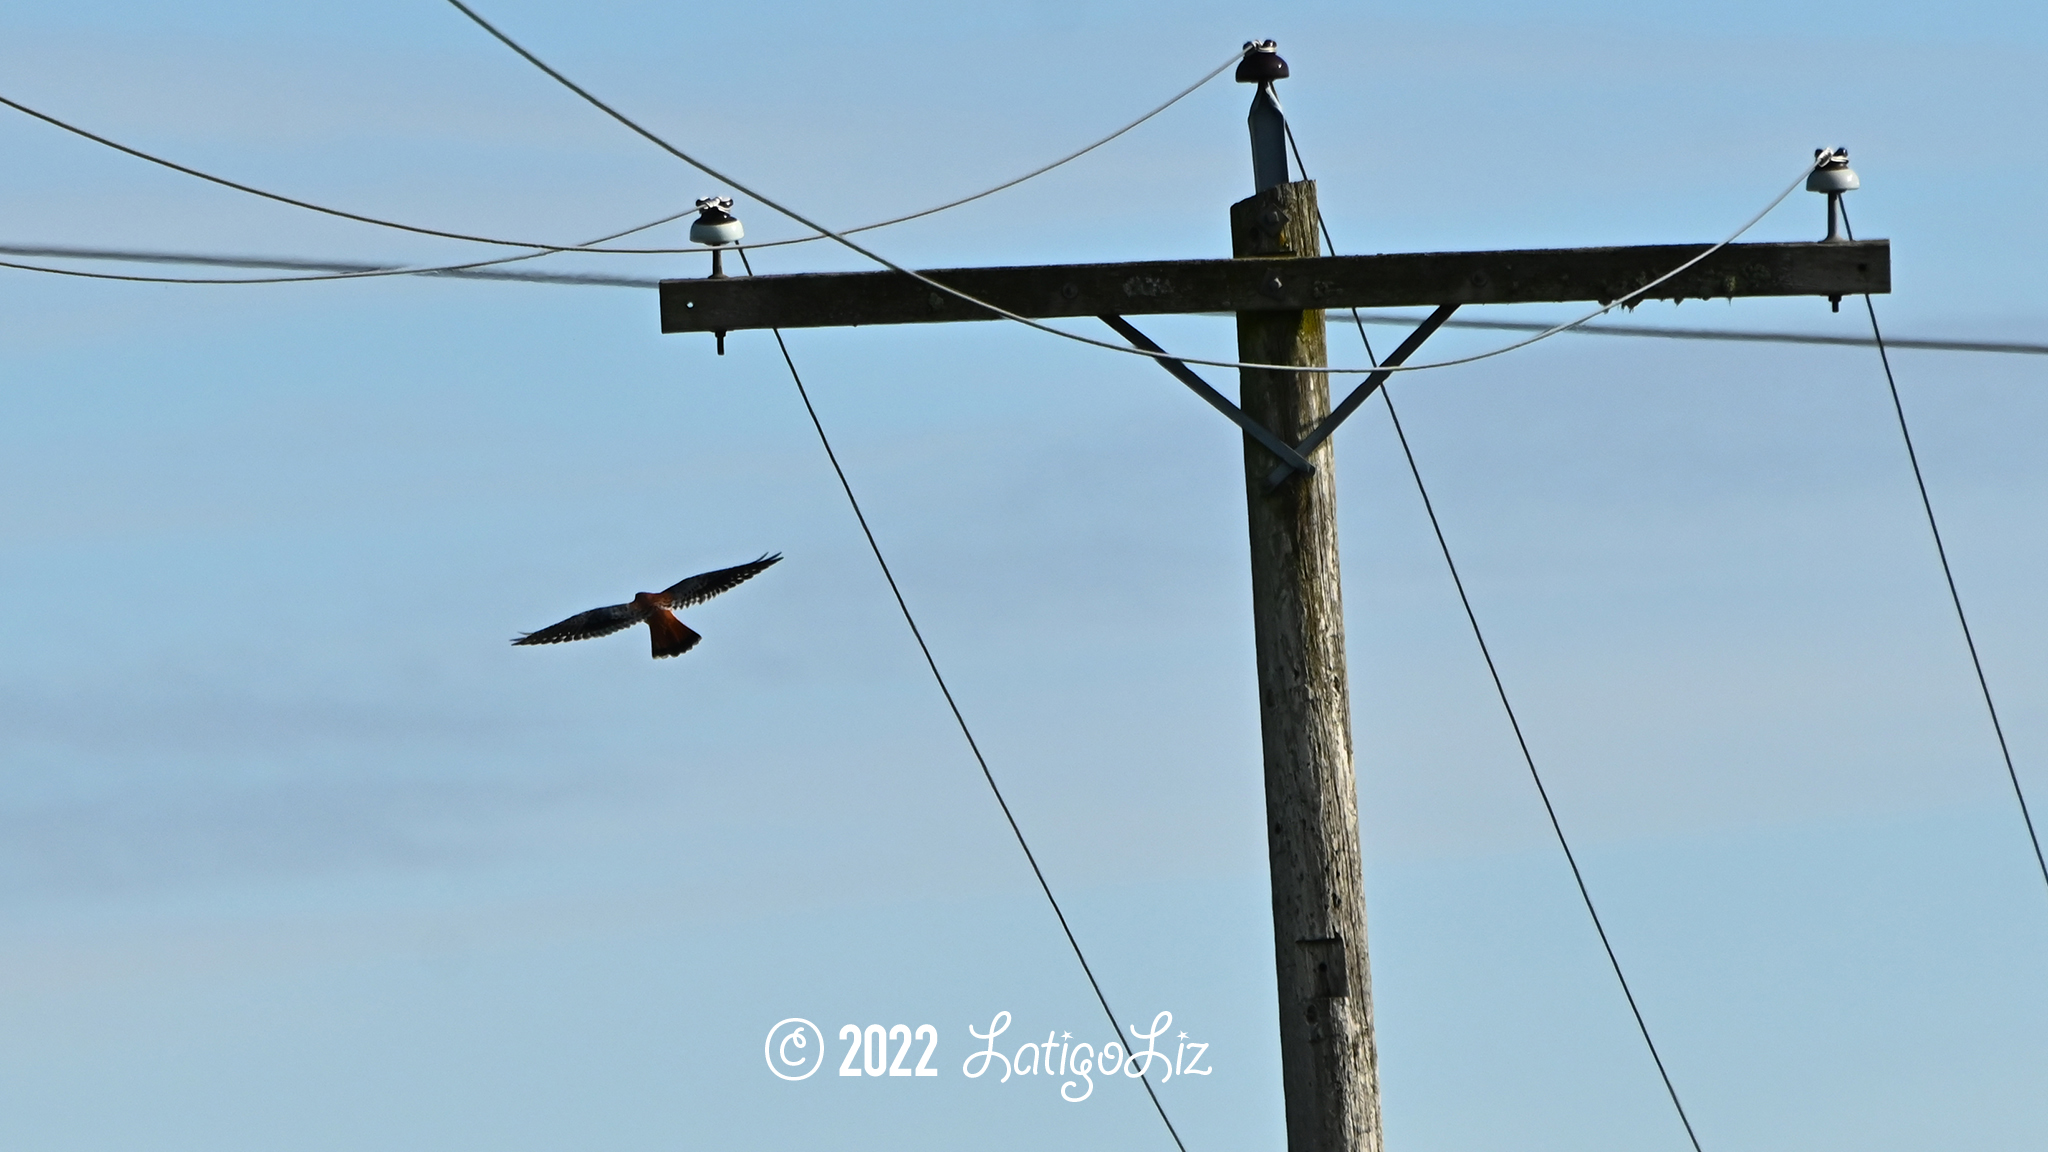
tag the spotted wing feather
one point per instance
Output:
(587, 625)
(698, 589)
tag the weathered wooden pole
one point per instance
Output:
(1329, 1065)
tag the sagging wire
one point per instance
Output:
(308, 205)
(594, 246)
(589, 279)
(1125, 349)
(366, 274)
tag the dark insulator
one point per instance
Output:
(1261, 64)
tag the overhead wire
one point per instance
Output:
(959, 718)
(366, 274)
(820, 230)
(1734, 335)
(1507, 707)
(1125, 349)
(840, 236)
(1039, 171)
(540, 249)
(594, 246)
(1948, 574)
(308, 205)
(65, 252)
(601, 280)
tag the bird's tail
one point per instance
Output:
(671, 636)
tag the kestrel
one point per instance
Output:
(671, 636)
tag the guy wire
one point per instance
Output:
(952, 705)
(1500, 689)
(1955, 597)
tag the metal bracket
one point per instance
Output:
(1329, 975)
(1291, 460)
(1361, 394)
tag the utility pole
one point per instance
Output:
(1328, 1062)
(1279, 285)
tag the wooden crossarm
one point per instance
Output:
(1150, 287)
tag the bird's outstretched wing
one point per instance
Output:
(585, 625)
(698, 589)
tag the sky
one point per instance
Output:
(296, 852)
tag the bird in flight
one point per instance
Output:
(655, 609)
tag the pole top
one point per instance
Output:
(1261, 64)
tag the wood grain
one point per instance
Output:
(1329, 1064)
(1276, 284)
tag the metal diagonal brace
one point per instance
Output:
(1361, 394)
(1291, 460)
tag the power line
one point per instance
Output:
(369, 273)
(306, 204)
(331, 269)
(816, 227)
(593, 246)
(953, 706)
(1039, 171)
(610, 281)
(304, 265)
(365, 274)
(651, 137)
(820, 230)
(1736, 335)
(1500, 689)
(1948, 574)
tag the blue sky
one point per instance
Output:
(298, 853)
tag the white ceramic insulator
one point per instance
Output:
(724, 232)
(1833, 180)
